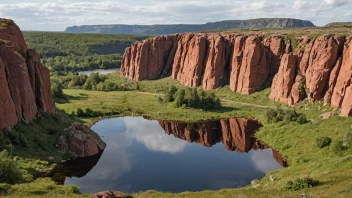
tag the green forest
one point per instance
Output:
(80, 52)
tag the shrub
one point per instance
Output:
(337, 147)
(322, 142)
(347, 139)
(180, 98)
(79, 112)
(89, 112)
(23, 140)
(4, 188)
(302, 119)
(270, 115)
(278, 115)
(9, 172)
(302, 88)
(75, 190)
(170, 94)
(14, 137)
(300, 184)
(56, 89)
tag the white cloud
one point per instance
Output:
(337, 2)
(58, 14)
(154, 138)
(261, 162)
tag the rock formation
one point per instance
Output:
(24, 81)
(316, 69)
(111, 194)
(80, 141)
(283, 81)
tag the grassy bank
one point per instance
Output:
(296, 142)
(28, 153)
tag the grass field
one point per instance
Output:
(294, 141)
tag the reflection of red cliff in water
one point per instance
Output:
(236, 134)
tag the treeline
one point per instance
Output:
(78, 52)
(192, 98)
(95, 82)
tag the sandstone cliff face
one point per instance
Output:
(24, 81)
(342, 92)
(284, 80)
(317, 69)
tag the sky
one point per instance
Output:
(56, 15)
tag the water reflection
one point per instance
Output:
(144, 154)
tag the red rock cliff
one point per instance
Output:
(317, 69)
(24, 81)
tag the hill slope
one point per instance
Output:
(181, 28)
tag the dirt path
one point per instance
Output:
(246, 104)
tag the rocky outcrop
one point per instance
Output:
(111, 194)
(156, 56)
(80, 141)
(322, 59)
(282, 83)
(202, 59)
(24, 81)
(189, 59)
(342, 91)
(254, 70)
(296, 69)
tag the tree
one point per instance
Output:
(180, 98)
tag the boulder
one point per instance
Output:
(111, 194)
(80, 141)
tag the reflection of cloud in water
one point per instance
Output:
(119, 135)
(153, 136)
(263, 160)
